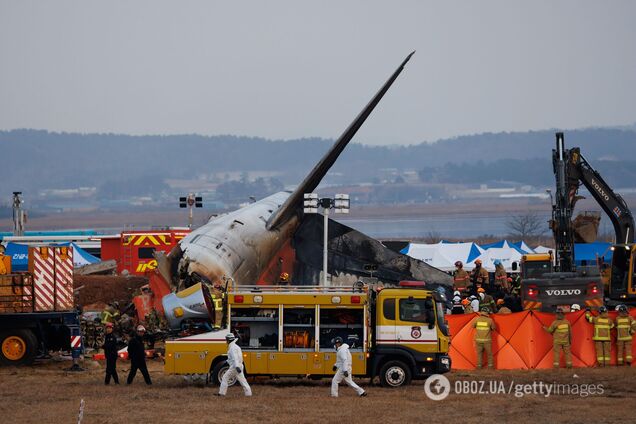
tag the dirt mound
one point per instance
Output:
(92, 289)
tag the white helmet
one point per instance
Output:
(456, 293)
(230, 337)
(575, 307)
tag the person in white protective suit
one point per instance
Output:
(235, 364)
(343, 369)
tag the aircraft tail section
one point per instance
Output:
(312, 180)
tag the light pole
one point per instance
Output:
(19, 217)
(190, 201)
(340, 204)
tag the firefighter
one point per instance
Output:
(458, 308)
(110, 313)
(283, 279)
(137, 356)
(235, 367)
(602, 340)
(217, 294)
(461, 278)
(625, 328)
(501, 277)
(110, 351)
(502, 308)
(468, 309)
(562, 331)
(479, 277)
(342, 369)
(484, 325)
(485, 299)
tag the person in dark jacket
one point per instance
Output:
(110, 351)
(137, 356)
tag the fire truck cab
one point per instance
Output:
(397, 334)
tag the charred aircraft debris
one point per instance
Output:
(258, 242)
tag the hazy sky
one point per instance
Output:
(289, 69)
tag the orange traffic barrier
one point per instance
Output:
(520, 342)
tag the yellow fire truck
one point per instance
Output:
(397, 334)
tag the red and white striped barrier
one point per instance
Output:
(53, 278)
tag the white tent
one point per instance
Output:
(443, 255)
(431, 254)
(507, 255)
(543, 249)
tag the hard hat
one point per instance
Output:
(465, 302)
(477, 261)
(141, 328)
(497, 262)
(500, 301)
(509, 279)
(616, 307)
(229, 337)
(485, 309)
(622, 308)
(109, 325)
(473, 297)
(337, 340)
(284, 276)
(602, 309)
(575, 307)
(456, 293)
(481, 290)
(459, 264)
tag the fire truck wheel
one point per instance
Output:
(217, 374)
(17, 347)
(395, 374)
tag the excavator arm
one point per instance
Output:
(611, 203)
(578, 171)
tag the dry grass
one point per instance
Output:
(45, 393)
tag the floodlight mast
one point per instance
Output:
(340, 203)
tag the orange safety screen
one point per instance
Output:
(520, 342)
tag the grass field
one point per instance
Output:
(46, 393)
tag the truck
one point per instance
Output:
(565, 284)
(397, 334)
(134, 251)
(37, 312)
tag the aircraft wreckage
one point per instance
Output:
(258, 242)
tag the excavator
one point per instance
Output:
(545, 286)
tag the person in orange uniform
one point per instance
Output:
(562, 331)
(484, 325)
(603, 324)
(461, 278)
(625, 328)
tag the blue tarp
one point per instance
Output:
(588, 252)
(80, 256)
(19, 256)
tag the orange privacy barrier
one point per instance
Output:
(520, 342)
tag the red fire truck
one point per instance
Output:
(133, 250)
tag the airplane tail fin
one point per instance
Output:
(312, 180)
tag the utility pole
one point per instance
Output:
(340, 204)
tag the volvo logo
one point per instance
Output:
(566, 292)
(600, 190)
